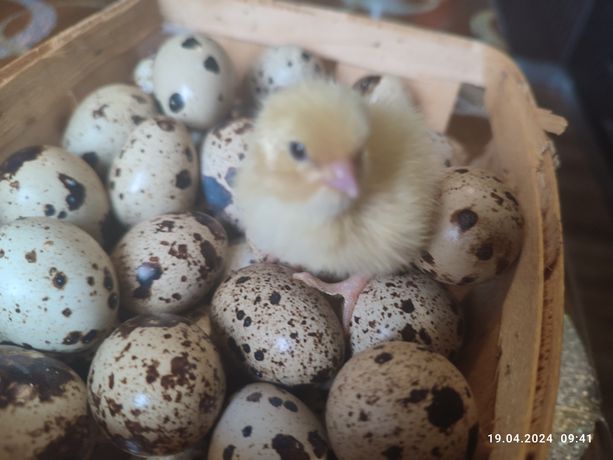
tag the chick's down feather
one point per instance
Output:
(289, 207)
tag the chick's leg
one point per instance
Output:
(348, 289)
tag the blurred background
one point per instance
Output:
(565, 48)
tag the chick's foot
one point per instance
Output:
(349, 289)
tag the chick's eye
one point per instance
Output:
(297, 150)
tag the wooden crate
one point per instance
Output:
(513, 351)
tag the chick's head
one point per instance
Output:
(309, 143)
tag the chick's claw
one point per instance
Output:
(349, 289)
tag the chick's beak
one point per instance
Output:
(342, 176)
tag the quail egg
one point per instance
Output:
(399, 400)
(48, 181)
(155, 173)
(156, 385)
(168, 264)
(223, 150)
(479, 230)
(410, 307)
(266, 422)
(43, 408)
(277, 328)
(194, 80)
(143, 74)
(101, 123)
(59, 287)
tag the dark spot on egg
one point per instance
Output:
(446, 408)
(191, 43)
(108, 280)
(165, 124)
(320, 447)
(275, 401)
(246, 431)
(216, 195)
(111, 381)
(90, 336)
(210, 255)
(99, 112)
(275, 298)
(427, 257)
(306, 57)
(393, 453)
(382, 358)
(228, 452)
(254, 397)
(242, 279)
(60, 280)
(290, 406)
(31, 256)
(415, 396)
(289, 448)
(407, 306)
(211, 65)
(62, 215)
(499, 200)
(112, 301)
(247, 321)
(137, 119)
(461, 171)
(15, 161)
(49, 210)
(259, 355)
(91, 158)
(425, 337)
(187, 151)
(183, 180)
(76, 192)
(146, 274)
(166, 226)
(465, 219)
(366, 85)
(322, 376)
(175, 103)
(240, 314)
(511, 197)
(72, 338)
(66, 312)
(485, 251)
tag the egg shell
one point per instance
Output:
(280, 67)
(143, 74)
(223, 150)
(156, 385)
(59, 286)
(194, 80)
(43, 408)
(410, 307)
(47, 181)
(263, 421)
(277, 328)
(168, 264)
(101, 123)
(155, 173)
(479, 229)
(399, 400)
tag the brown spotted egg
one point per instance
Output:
(156, 385)
(479, 230)
(277, 328)
(59, 286)
(43, 408)
(266, 422)
(155, 173)
(280, 67)
(399, 400)
(194, 80)
(410, 307)
(47, 181)
(223, 150)
(168, 264)
(101, 123)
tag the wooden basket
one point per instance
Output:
(513, 352)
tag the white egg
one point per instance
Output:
(143, 74)
(59, 287)
(48, 181)
(194, 80)
(101, 123)
(155, 173)
(280, 67)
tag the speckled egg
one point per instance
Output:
(223, 150)
(48, 181)
(263, 421)
(156, 385)
(168, 264)
(101, 123)
(280, 67)
(43, 408)
(399, 400)
(59, 287)
(479, 230)
(143, 74)
(194, 80)
(155, 173)
(410, 307)
(277, 328)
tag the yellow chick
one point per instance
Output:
(338, 185)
